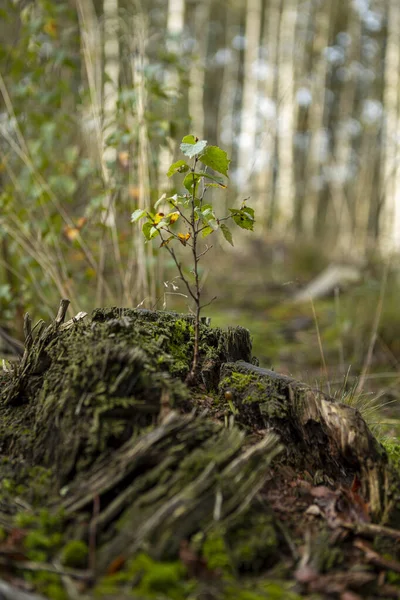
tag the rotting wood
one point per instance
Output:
(323, 433)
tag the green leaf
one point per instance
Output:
(189, 139)
(179, 166)
(227, 233)
(215, 185)
(218, 180)
(161, 200)
(154, 231)
(243, 217)
(206, 231)
(208, 212)
(216, 159)
(137, 214)
(177, 200)
(191, 149)
(149, 231)
(192, 179)
(248, 210)
(146, 230)
(162, 224)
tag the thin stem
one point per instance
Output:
(184, 217)
(178, 266)
(192, 375)
(204, 252)
(208, 303)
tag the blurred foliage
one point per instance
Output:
(54, 197)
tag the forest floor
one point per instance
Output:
(330, 342)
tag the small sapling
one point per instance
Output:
(186, 218)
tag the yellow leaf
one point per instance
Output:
(71, 233)
(165, 242)
(183, 237)
(50, 28)
(159, 216)
(123, 159)
(173, 217)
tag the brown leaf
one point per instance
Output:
(116, 565)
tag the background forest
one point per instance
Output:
(304, 95)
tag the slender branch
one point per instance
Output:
(208, 303)
(178, 266)
(204, 252)
(184, 217)
(175, 236)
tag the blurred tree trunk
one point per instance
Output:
(318, 151)
(247, 156)
(174, 33)
(285, 99)
(266, 180)
(143, 276)
(390, 215)
(201, 18)
(230, 88)
(111, 72)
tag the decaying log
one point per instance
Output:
(138, 462)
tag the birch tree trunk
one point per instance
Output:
(347, 128)
(285, 102)
(139, 281)
(198, 69)
(318, 150)
(390, 215)
(175, 26)
(247, 150)
(269, 141)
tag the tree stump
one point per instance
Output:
(118, 479)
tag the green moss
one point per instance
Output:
(253, 540)
(150, 579)
(40, 545)
(165, 578)
(25, 519)
(392, 447)
(265, 590)
(249, 389)
(75, 554)
(48, 584)
(8, 485)
(44, 537)
(393, 578)
(215, 552)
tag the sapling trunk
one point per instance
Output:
(195, 231)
